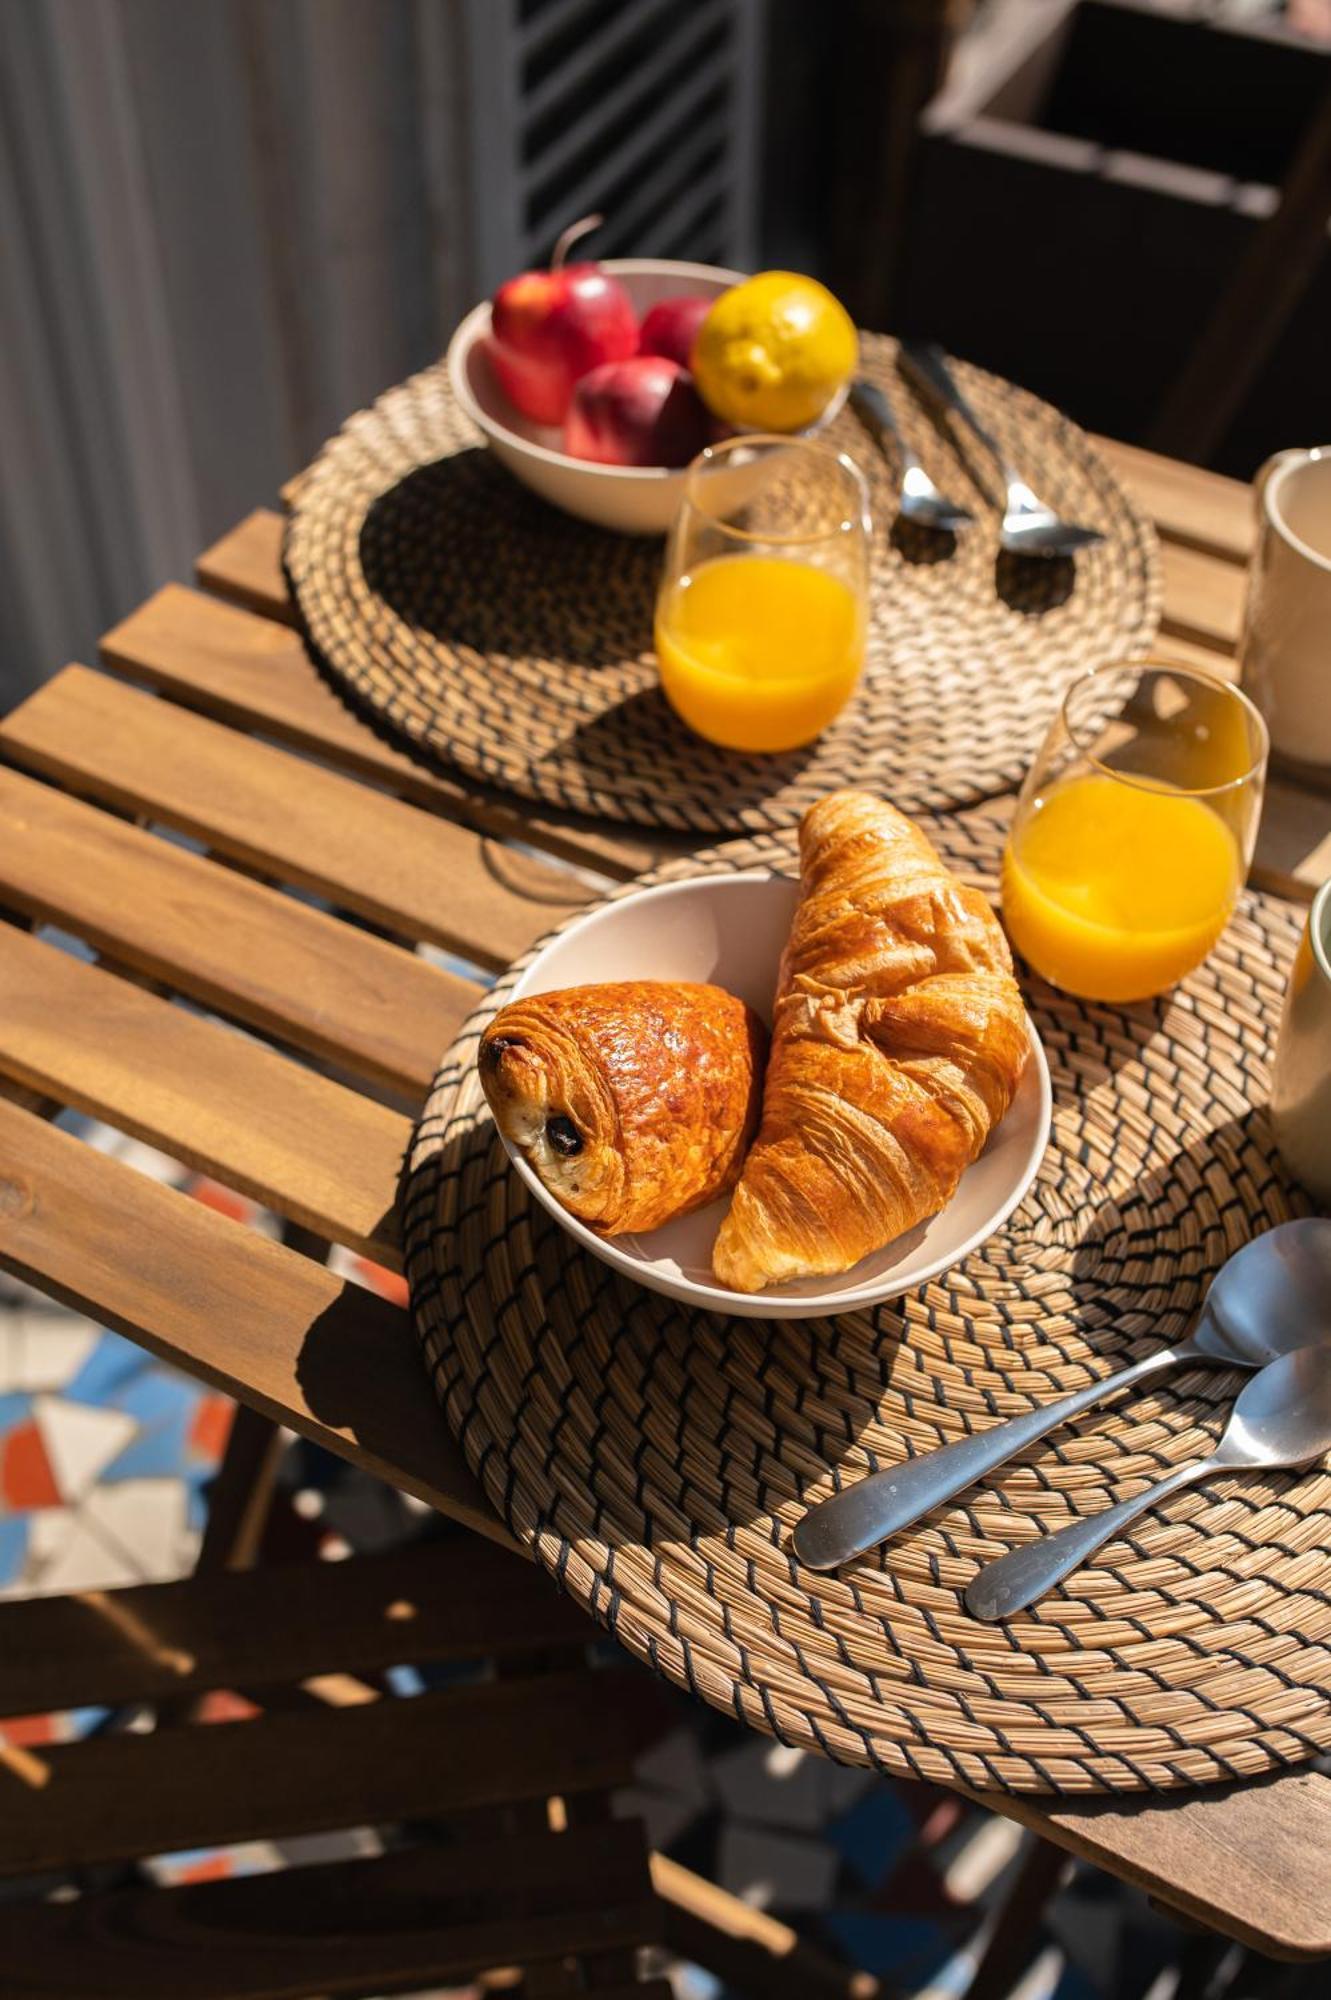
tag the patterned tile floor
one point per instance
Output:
(105, 1459)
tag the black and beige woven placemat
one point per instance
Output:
(498, 634)
(656, 1458)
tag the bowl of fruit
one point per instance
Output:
(596, 384)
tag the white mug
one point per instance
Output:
(1285, 656)
(1301, 1083)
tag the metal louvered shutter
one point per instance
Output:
(643, 110)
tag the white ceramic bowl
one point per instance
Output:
(730, 929)
(635, 499)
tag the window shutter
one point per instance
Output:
(644, 111)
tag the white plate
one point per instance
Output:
(730, 930)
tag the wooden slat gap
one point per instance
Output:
(213, 1098)
(396, 864)
(223, 660)
(253, 955)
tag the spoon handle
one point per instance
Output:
(884, 1503)
(1024, 1574)
(876, 414)
(927, 363)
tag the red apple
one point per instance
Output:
(643, 411)
(671, 327)
(549, 328)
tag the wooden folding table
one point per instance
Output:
(208, 721)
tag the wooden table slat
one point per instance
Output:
(213, 1098)
(230, 943)
(246, 670)
(1186, 502)
(456, 1598)
(266, 1325)
(1294, 844)
(1194, 653)
(413, 1918)
(390, 862)
(1203, 598)
(1247, 1860)
(245, 566)
(110, 1798)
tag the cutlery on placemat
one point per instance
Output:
(919, 500)
(1272, 1296)
(1281, 1421)
(1030, 526)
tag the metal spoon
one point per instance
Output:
(1282, 1420)
(1030, 525)
(919, 499)
(1272, 1296)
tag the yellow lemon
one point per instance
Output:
(773, 352)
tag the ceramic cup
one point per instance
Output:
(1285, 657)
(1301, 1085)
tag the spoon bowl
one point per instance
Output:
(1281, 1422)
(918, 499)
(1283, 1417)
(1271, 1297)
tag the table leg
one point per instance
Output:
(241, 1496)
(240, 1499)
(753, 1952)
(1039, 1876)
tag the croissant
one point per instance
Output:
(898, 1038)
(633, 1102)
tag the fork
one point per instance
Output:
(919, 499)
(1030, 526)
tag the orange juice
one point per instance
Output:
(759, 652)
(1114, 891)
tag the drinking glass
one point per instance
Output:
(763, 606)
(1133, 832)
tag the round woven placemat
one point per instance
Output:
(655, 1458)
(453, 605)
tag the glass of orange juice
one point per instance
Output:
(763, 606)
(1134, 830)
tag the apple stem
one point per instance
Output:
(583, 227)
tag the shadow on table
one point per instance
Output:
(1155, 1245)
(641, 755)
(360, 1372)
(460, 550)
(1034, 585)
(1135, 1229)
(919, 545)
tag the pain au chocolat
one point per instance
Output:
(633, 1101)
